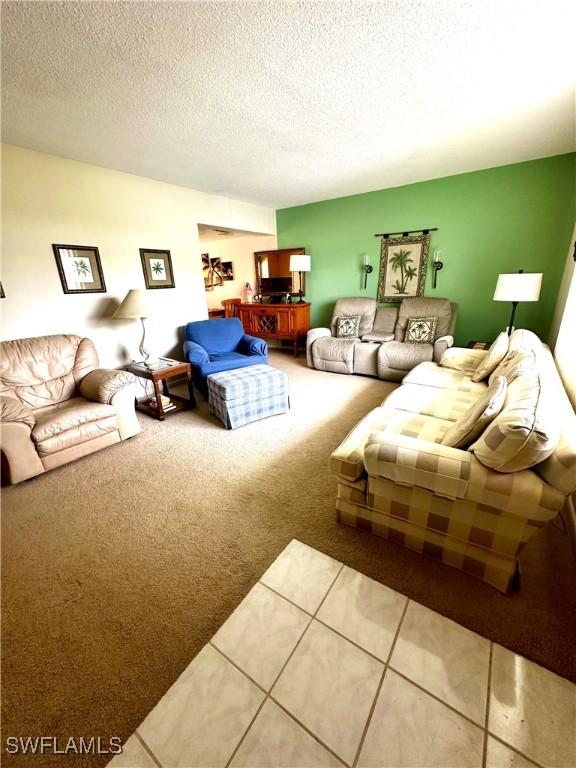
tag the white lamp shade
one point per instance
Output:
(299, 262)
(518, 286)
(135, 304)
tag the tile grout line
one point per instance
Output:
(309, 732)
(513, 749)
(267, 693)
(379, 687)
(147, 748)
(487, 715)
(436, 698)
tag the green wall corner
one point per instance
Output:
(499, 220)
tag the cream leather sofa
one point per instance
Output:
(56, 404)
(398, 480)
(380, 349)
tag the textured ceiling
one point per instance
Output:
(283, 103)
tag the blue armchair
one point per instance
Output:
(212, 346)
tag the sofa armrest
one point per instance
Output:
(22, 460)
(312, 335)
(195, 354)
(102, 384)
(410, 461)
(441, 345)
(250, 345)
(12, 410)
(461, 359)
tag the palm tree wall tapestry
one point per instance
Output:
(403, 262)
(157, 268)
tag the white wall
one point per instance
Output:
(240, 251)
(564, 325)
(47, 199)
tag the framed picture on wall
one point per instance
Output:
(403, 262)
(79, 268)
(157, 268)
(227, 270)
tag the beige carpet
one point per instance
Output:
(118, 568)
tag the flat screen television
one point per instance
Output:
(269, 285)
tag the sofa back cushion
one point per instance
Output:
(443, 309)
(217, 336)
(526, 431)
(350, 307)
(479, 415)
(45, 370)
(385, 320)
(497, 352)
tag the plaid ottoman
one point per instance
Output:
(247, 394)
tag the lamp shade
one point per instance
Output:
(518, 286)
(135, 304)
(299, 262)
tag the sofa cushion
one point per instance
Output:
(73, 422)
(526, 431)
(431, 401)
(461, 359)
(481, 413)
(424, 307)
(433, 375)
(496, 353)
(348, 459)
(515, 364)
(421, 330)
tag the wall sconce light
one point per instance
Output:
(368, 268)
(436, 266)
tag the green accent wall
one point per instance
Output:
(500, 220)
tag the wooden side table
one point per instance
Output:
(160, 378)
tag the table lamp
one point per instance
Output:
(135, 306)
(516, 287)
(300, 262)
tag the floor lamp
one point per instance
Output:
(135, 306)
(516, 287)
(300, 262)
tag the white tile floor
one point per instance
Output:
(321, 666)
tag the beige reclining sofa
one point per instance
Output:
(379, 348)
(56, 405)
(474, 506)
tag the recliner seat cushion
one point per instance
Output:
(70, 423)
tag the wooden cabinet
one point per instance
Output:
(287, 322)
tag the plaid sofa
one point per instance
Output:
(397, 480)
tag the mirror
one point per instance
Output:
(273, 276)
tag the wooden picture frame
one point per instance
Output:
(79, 268)
(157, 268)
(403, 264)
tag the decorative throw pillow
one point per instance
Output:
(421, 330)
(525, 432)
(496, 354)
(471, 425)
(348, 327)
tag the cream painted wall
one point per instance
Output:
(47, 199)
(240, 251)
(564, 325)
